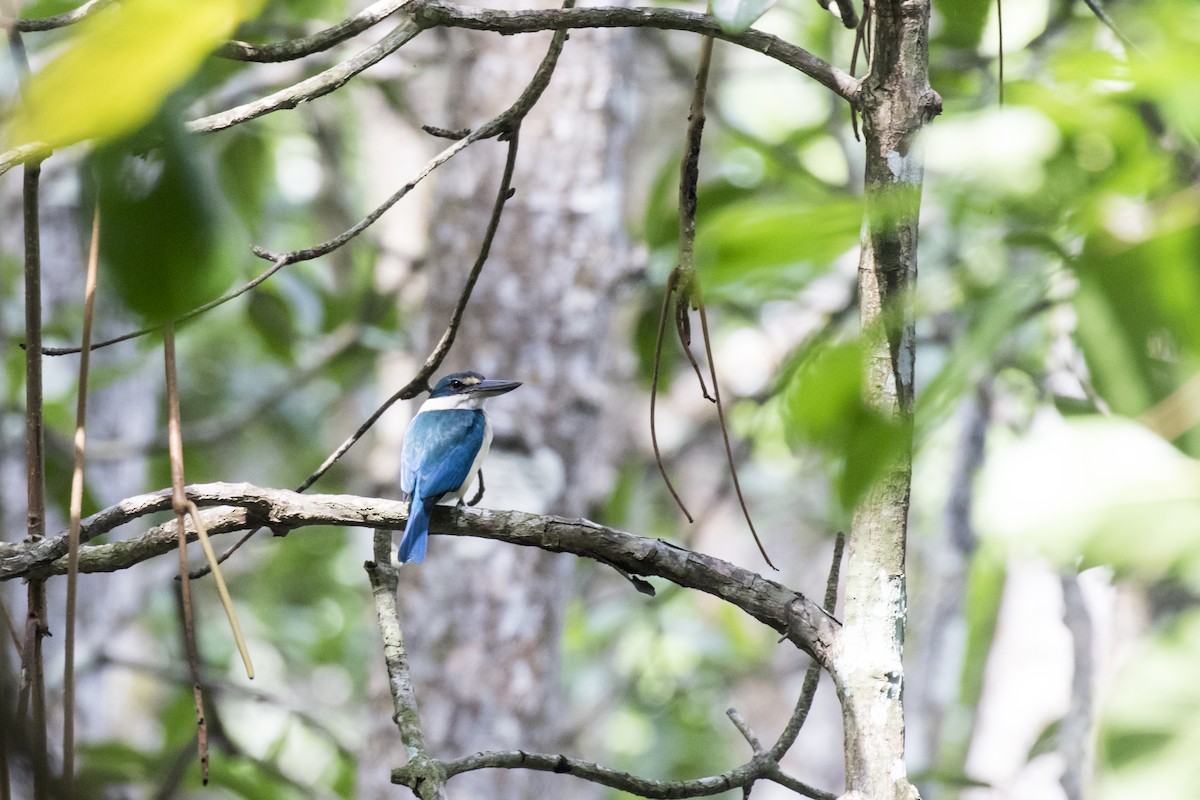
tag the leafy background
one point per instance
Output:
(1059, 326)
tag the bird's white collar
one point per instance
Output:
(455, 401)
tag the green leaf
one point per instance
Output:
(160, 226)
(120, 67)
(271, 316)
(735, 16)
(773, 249)
(961, 22)
(1084, 485)
(1139, 308)
(985, 590)
(245, 170)
(1150, 728)
(824, 407)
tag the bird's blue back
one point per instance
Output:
(439, 450)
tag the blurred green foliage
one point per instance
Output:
(1075, 200)
(161, 223)
(823, 405)
(120, 66)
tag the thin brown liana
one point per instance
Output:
(184, 508)
(89, 297)
(684, 284)
(179, 502)
(1000, 51)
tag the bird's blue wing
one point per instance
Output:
(439, 449)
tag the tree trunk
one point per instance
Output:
(482, 620)
(895, 103)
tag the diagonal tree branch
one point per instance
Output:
(58, 20)
(314, 43)
(318, 85)
(788, 612)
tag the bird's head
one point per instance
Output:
(465, 390)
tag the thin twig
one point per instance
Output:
(431, 13)
(682, 278)
(689, 187)
(222, 590)
(658, 344)
(507, 123)
(314, 43)
(501, 124)
(89, 304)
(1000, 52)
(1102, 15)
(198, 310)
(812, 677)
(58, 20)
(318, 85)
(328, 246)
(179, 502)
(444, 133)
(861, 35)
(689, 294)
(738, 777)
(740, 723)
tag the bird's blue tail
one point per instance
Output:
(416, 533)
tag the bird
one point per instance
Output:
(444, 447)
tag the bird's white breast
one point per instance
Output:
(479, 457)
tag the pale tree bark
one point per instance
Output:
(895, 102)
(482, 620)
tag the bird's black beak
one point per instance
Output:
(492, 388)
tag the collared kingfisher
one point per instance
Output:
(444, 448)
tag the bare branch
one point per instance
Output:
(181, 504)
(315, 43)
(89, 304)
(225, 298)
(790, 613)
(310, 89)
(743, 727)
(58, 20)
(431, 13)
(1102, 15)
(427, 778)
(37, 627)
(590, 771)
(744, 775)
